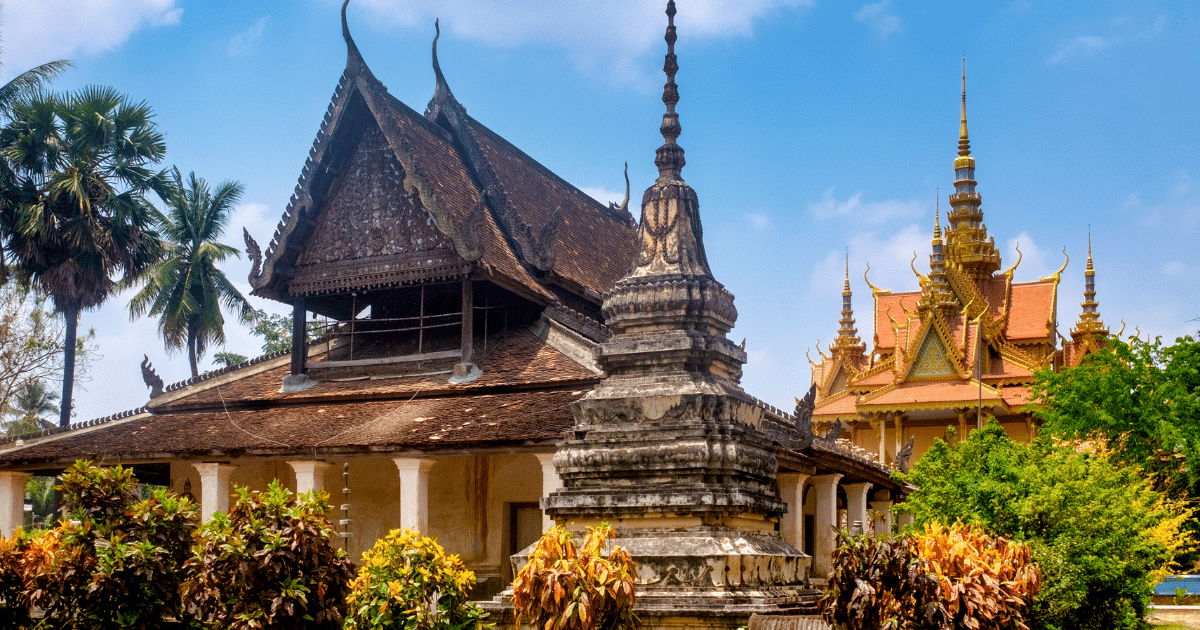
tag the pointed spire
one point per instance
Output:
(968, 247)
(939, 295)
(1089, 318)
(847, 342)
(669, 157)
(964, 143)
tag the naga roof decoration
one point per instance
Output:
(484, 205)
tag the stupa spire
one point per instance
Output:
(938, 294)
(847, 341)
(1089, 318)
(968, 246)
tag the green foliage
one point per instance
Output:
(407, 582)
(270, 562)
(565, 587)
(276, 331)
(115, 564)
(185, 290)
(73, 207)
(1141, 401)
(1097, 530)
(226, 359)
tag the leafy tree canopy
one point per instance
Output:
(1098, 529)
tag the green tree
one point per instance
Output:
(1141, 400)
(276, 331)
(29, 404)
(31, 342)
(186, 290)
(1097, 529)
(77, 210)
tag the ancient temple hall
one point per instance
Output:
(499, 352)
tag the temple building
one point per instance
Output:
(960, 350)
(498, 352)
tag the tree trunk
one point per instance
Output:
(192, 359)
(72, 317)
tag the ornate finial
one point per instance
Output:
(1089, 323)
(1020, 257)
(847, 341)
(1058, 274)
(669, 157)
(875, 291)
(255, 254)
(352, 54)
(442, 89)
(151, 378)
(1089, 260)
(624, 207)
(846, 284)
(964, 144)
(937, 217)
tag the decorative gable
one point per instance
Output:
(839, 382)
(932, 360)
(370, 232)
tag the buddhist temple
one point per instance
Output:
(960, 350)
(497, 352)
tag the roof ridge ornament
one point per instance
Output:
(964, 142)
(442, 89)
(353, 57)
(669, 157)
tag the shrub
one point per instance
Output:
(880, 583)
(986, 582)
(407, 582)
(270, 562)
(564, 587)
(116, 561)
(943, 579)
(1097, 530)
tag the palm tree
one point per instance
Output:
(29, 82)
(77, 215)
(30, 402)
(185, 290)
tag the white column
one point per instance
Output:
(856, 504)
(825, 523)
(310, 474)
(883, 520)
(414, 492)
(214, 487)
(12, 501)
(550, 483)
(791, 491)
(882, 438)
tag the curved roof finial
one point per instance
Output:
(669, 157)
(442, 88)
(875, 291)
(1020, 257)
(352, 54)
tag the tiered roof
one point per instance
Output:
(968, 336)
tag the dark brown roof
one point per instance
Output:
(523, 397)
(524, 226)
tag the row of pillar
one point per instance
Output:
(310, 475)
(825, 522)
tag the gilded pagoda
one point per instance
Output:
(957, 352)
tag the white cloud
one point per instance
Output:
(1175, 269)
(604, 38)
(244, 42)
(1121, 30)
(606, 196)
(880, 19)
(1036, 262)
(45, 30)
(759, 220)
(869, 211)
(889, 255)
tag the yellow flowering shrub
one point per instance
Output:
(408, 582)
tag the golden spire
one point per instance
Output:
(847, 342)
(968, 247)
(964, 142)
(938, 294)
(1089, 318)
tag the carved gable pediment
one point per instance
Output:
(932, 360)
(370, 232)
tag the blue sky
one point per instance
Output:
(810, 127)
